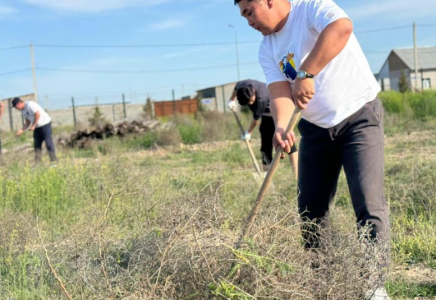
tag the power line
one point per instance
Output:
(370, 51)
(17, 71)
(383, 29)
(141, 46)
(111, 93)
(12, 47)
(139, 71)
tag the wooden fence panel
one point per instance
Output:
(166, 108)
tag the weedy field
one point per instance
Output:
(123, 222)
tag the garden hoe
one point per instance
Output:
(7, 139)
(261, 195)
(258, 175)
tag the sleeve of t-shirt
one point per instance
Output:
(321, 13)
(33, 107)
(270, 68)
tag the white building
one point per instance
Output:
(402, 60)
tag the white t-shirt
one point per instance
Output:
(29, 110)
(344, 85)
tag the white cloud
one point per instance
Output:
(93, 5)
(183, 53)
(167, 24)
(387, 9)
(6, 11)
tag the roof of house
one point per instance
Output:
(426, 57)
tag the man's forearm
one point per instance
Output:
(252, 126)
(233, 96)
(281, 110)
(36, 119)
(281, 103)
(330, 43)
(26, 125)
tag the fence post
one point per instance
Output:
(224, 99)
(11, 119)
(124, 107)
(216, 100)
(74, 112)
(174, 104)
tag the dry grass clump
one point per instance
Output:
(186, 252)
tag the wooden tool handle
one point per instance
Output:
(267, 181)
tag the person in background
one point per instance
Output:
(39, 122)
(254, 94)
(2, 110)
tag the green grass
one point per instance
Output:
(405, 290)
(121, 203)
(421, 106)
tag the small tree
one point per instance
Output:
(148, 108)
(200, 106)
(403, 84)
(97, 118)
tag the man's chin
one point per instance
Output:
(265, 32)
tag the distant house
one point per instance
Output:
(402, 60)
(216, 97)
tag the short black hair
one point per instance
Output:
(237, 1)
(244, 94)
(15, 101)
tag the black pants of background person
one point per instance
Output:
(267, 128)
(356, 144)
(40, 135)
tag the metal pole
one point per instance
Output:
(124, 107)
(415, 50)
(32, 58)
(174, 103)
(74, 111)
(11, 119)
(236, 46)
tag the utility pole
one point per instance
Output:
(415, 50)
(32, 58)
(236, 46)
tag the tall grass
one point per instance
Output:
(421, 105)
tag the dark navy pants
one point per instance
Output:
(40, 135)
(356, 144)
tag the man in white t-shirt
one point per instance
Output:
(39, 122)
(311, 58)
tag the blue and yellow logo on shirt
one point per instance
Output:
(287, 66)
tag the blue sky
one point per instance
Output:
(178, 23)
